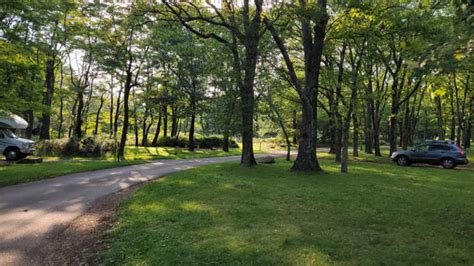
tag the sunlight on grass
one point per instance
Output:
(227, 214)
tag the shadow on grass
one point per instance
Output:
(227, 214)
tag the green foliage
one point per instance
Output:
(89, 147)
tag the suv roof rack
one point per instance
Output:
(440, 141)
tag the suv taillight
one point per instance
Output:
(461, 152)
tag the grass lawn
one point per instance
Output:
(222, 214)
(22, 173)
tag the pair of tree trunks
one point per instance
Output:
(313, 43)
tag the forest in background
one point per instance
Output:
(311, 73)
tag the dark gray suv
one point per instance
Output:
(445, 153)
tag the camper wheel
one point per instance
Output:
(12, 154)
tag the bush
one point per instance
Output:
(201, 142)
(90, 147)
(172, 142)
(211, 142)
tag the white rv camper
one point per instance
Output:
(11, 146)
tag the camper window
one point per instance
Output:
(9, 134)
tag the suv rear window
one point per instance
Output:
(439, 148)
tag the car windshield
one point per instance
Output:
(9, 134)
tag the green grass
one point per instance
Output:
(56, 166)
(152, 153)
(224, 214)
(22, 173)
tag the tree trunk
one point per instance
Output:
(392, 137)
(468, 127)
(117, 111)
(111, 111)
(453, 118)
(225, 144)
(439, 116)
(97, 116)
(174, 121)
(157, 132)
(191, 127)
(47, 98)
(336, 102)
(345, 147)
(30, 118)
(126, 95)
(306, 158)
(165, 120)
(135, 119)
(355, 142)
(144, 128)
(247, 106)
(295, 128)
(80, 107)
(61, 118)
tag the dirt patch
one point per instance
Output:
(81, 241)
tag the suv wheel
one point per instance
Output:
(403, 161)
(448, 163)
(12, 154)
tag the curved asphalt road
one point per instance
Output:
(31, 212)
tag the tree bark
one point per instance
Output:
(225, 144)
(126, 96)
(97, 116)
(144, 128)
(439, 116)
(191, 126)
(60, 123)
(355, 142)
(165, 120)
(157, 131)
(117, 110)
(47, 98)
(80, 107)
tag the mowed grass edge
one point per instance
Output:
(23, 173)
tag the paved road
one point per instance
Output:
(31, 212)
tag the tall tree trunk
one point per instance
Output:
(97, 116)
(355, 142)
(355, 65)
(439, 116)
(295, 128)
(60, 123)
(80, 107)
(165, 120)
(144, 128)
(469, 122)
(174, 121)
(47, 98)
(453, 118)
(30, 118)
(126, 96)
(117, 110)
(157, 131)
(392, 137)
(191, 126)
(338, 119)
(225, 144)
(111, 110)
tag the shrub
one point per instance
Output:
(172, 142)
(211, 142)
(90, 147)
(201, 142)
